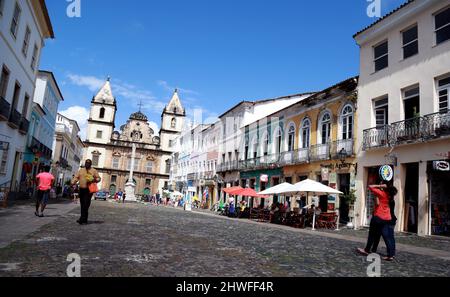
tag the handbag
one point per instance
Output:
(93, 188)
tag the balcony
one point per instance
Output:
(24, 126)
(228, 166)
(40, 148)
(14, 119)
(4, 109)
(376, 137)
(420, 129)
(320, 152)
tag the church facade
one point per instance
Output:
(111, 150)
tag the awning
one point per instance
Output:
(232, 190)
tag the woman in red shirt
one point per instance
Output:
(381, 217)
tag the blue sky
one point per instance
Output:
(217, 52)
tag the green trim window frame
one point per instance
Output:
(410, 42)
(381, 56)
(442, 25)
(15, 20)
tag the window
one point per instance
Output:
(26, 41)
(2, 2)
(410, 42)
(16, 95)
(136, 164)
(15, 20)
(442, 23)
(278, 141)
(173, 123)
(113, 179)
(102, 113)
(4, 148)
(26, 102)
(34, 57)
(246, 149)
(411, 103)
(306, 133)
(444, 90)
(381, 59)
(99, 134)
(95, 160)
(381, 112)
(291, 138)
(4, 82)
(347, 122)
(148, 182)
(266, 144)
(255, 148)
(115, 162)
(149, 166)
(325, 128)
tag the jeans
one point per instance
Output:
(375, 231)
(85, 202)
(385, 230)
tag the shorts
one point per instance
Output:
(42, 196)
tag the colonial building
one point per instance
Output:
(404, 114)
(24, 25)
(67, 149)
(41, 134)
(111, 150)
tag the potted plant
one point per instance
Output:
(350, 199)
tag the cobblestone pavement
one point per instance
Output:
(138, 240)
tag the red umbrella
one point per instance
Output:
(249, 192)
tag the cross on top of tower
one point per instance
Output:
(140, 105)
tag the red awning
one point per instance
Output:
(232, 190)
(249, 192)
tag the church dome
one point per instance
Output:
(138, 116)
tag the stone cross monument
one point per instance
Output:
(130, 187)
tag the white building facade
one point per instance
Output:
(404, 115)
(24, 25)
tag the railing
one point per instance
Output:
(14, 119)
(4, 109)
(228, 166)
(320, 152)
(344, 145)
(376, 137)
(414, 130)
(24, 126)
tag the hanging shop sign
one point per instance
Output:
(441, 165)
(386, 173)
(333, 178)
(264, 178)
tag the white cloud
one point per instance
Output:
(154, 127)
(93, 83)
(79, 114)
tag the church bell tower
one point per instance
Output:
(172, 121)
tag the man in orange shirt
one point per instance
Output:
(44, 181)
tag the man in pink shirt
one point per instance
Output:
(44, 181)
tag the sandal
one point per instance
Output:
(389, 259)
(362, 252)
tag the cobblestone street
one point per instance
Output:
(139, 240)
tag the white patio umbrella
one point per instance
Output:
(309, 186)
(278, 189)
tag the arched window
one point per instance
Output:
(102, 113)
(265, 143)
(291, 138)
(325, 128)
(173, 124)
(277, 141)
(306, 133)
(347, 122)
(246, 148)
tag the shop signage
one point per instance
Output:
(264, 178)
(386, 173)
(333, 178)
(441, 165)
(192, 189)
(325, 174)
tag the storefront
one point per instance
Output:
(439, 188)
(259, 180)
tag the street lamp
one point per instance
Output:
(342, 155)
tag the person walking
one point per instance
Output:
(85, 177)
(381, 217)
(124, 195)
(44, 181)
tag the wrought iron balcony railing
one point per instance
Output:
(24, 125)
(376, 137)
(414, 130)
(4, 109)
(14, 119)
(320, 152)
